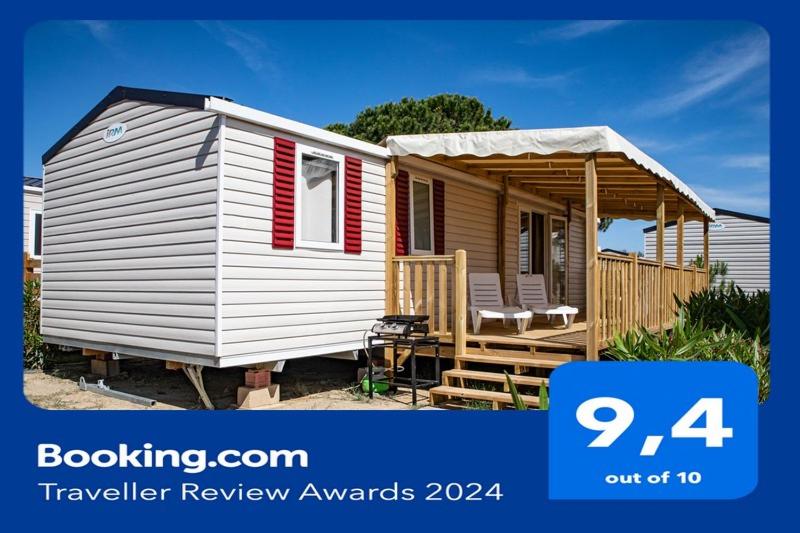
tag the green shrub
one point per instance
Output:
(732, 308)
(718, 271)
(35, 353)
(519, 404)
(695, 341)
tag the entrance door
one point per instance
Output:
(543, 250)
(531, 243)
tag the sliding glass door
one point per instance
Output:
(543, 250)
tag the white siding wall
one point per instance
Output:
(129, 234)
(742, 243)
(286, 303)
(32, 201)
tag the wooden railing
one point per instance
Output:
(31, 268)
(433, 285)
(639, 292)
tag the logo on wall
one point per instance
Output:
(114, 132)
(716, 226)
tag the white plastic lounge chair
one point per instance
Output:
(532, 295)
(486, 301)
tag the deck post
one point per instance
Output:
(391, 235)
(679, 248)
(391, 281)
(460, 303)
(706, 252)
(592, 266)
(660, 220)
(635, 288)
(501, 234)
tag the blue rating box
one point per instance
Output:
(649, 431)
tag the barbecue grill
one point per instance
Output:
(407, 332)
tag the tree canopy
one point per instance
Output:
(443, 113)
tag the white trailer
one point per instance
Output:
(189, 228)
(739, 239)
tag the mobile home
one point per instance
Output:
(32, 217)
(174, 228)
(740, 240)
(192, 229)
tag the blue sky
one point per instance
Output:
(694, 95)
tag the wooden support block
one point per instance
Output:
(98, 354)
(250, 398)
(174, 365)
(106, 369)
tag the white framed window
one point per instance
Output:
(421, 215)
(319, 198)
(35, 234)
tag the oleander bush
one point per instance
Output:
(730, 307)
(695, 341)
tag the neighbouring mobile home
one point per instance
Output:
(32, 217)
(740, 240)
(192, 229)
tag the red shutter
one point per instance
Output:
(352, 205)
(283, 194)
(438, 217)
(401, 213)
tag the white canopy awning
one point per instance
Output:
(598, 139)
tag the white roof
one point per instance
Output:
(249, 114)
(542, 142)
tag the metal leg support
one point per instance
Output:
(195, 375)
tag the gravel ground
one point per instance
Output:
(314, 383)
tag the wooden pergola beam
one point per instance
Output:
(592, 265)
(501, 233)
(679, 246)
(706, 250)
(660, 223)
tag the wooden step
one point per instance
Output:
(566, 357)
(495, 377)
(498, 399)
(511, 361)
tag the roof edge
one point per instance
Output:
(719, 211)
(275, 122)
(577, 140)
(118, 94)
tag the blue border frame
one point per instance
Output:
(349, 448)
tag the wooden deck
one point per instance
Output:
(541, 334)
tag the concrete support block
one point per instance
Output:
(250, 398)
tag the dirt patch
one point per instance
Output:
(312, 383)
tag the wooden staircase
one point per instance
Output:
(456, 391)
